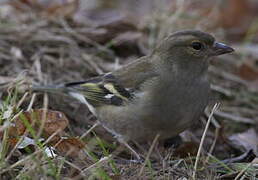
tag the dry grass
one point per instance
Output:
(37, 50)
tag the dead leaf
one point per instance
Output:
(127, 43)
(12, 142)
(239, 9)
(106, 24)
(67, 9)
(186, 149)
(55, 121)
(69, 146)
(246, 140)
(24, 5)
(47, 8)
(248, 70)
(236, 16)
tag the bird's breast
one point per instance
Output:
(174, 105)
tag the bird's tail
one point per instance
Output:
(49, 89)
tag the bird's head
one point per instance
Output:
(189, 48)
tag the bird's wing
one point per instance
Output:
(135, 73)
(99, 91)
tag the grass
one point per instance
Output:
(34, 161)
(59, 50)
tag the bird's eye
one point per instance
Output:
(197, 45)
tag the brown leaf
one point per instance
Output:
(186, 149)
(236, 16)
(248, 70)
(69, 146)
(48, 8)
(24, 5)
(12, 142)
(54, 121)
(237, 9)
(17, 129)
(62, 10)
(126, 44)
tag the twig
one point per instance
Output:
(75, 167)
(202, 139)
(87, 132)
(22, 100)
(101, 161)
(31, 101)
(221, 90)
(213, 144)
(234, 117)
(149, 153)
(43, 116)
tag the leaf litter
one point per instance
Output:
(53, 40)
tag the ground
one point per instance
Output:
(43, 42)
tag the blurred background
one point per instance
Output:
(59, 32)
(56, 41)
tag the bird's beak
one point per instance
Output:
(219, 49)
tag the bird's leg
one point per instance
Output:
(122, 141)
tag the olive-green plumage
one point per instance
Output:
(162, 93)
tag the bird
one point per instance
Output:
(162, 93)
